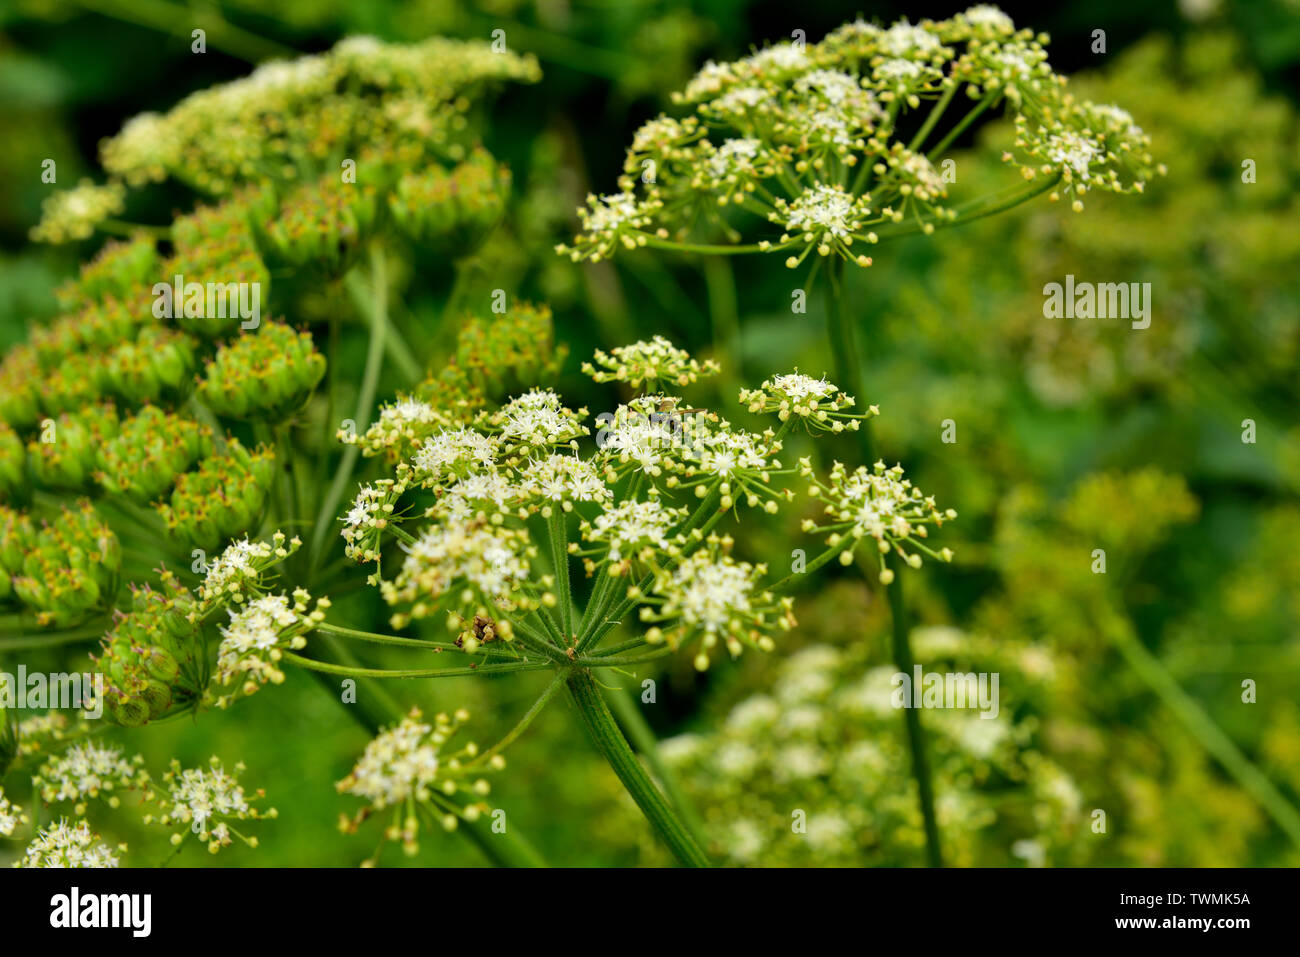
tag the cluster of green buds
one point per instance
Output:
(812, 141)
(16, 537)
(292, 120)
(158, 365)
(153, 660)
(321, 225)
(73, 214)
(118, 271)
(66, 568)
(266, 374)
(66, 453)
(223, 497)
(411, 769)
(451, 211)
(150, 449)
(13, 463)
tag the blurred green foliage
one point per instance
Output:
(1072, 435)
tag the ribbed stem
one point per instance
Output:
(609, 740)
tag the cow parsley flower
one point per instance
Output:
(239, 571)
(714, 599)
(410, 766)
(208, 800)
(632, 530)
(817, 403)
(11, 816)
(879, 504)
(453, 454)
(254, 642)
(650, 364)
(87, 771)
(69, 845)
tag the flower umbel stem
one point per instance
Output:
(613, 746)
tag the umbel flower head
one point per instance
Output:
(69, 845)
(878, 504)
(411, 768)
(206, 802)
(254, 642)
(11, 816)
(88, 771)
(808, 147)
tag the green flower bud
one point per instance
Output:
(65, 453)
(151, 660)
(150, 450)
(159, 364)
(12, 462)
(120, 269)
(220, 283)
(321, 225)
(78, 380)
(265, 375)
(451, 212)
(70, 568)
(222, 498)
(20, 377)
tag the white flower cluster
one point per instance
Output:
(880, 504)
(650, 363)
(85, 771)
(68, 845)
(410, 765)
(208, 800)
(254, 641)
(11, 816)
(819, 404)
(811, 139)
(238, 571)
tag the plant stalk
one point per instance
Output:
(609, 740)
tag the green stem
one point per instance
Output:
(721, 285)
(365, 400)
(614, 748)
(841, 330)
(643, 738)
(179, 20)
(960, 128)
(375, 638)
(1205, 731)
(348, 671)
(902, 651)
(559, 538)
(551, 689)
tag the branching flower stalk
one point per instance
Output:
(832, 148)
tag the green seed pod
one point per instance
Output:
(78, 380)
(65, 453)
(20, 379)
(264, 375)
(152, 656)
(119, 269)
(321, 225)
(450, 212)
(222, 498)
(158, 365)
(70, 568)
(12, 462)
(150, 450)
